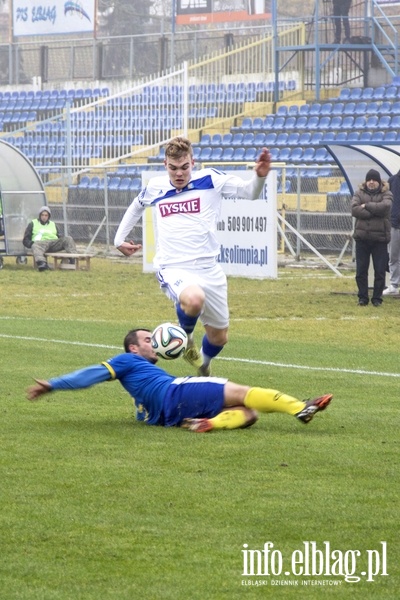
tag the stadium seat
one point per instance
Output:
(279, 123)
(216, 139)
(395, 122)
(282, 111)
(353, 136)
(385, 108)
(293, 139)
(274, 152)
(296, 154)
(322, 156)
(308, 155)
(344, 94)
(360, 108)
(395, 108)
(384, 122)
(330, 136)
(312, 123)
(368, 93)
(281, 139)
(349, 108)
(324, 123)
(347, 123)
(226, 139)
(372, 108)
(304, 138)
(246, 124)
(216, 153)
(290, 123)
(304, 109)
(261, 137)
(377, 136)
(293, 110)
(326, 109)
(205, 153)
(315, 109)
(284, 154)
(250, 154)
(239, 153)
(360, 123)
(365, 136)
(379, 92)
(228, 153)
(372, 122)
(237, 139)
(301, 122)
(269, 139)
(248, 139)
(390, 92)
(390, 136)
(338, 108)
(205, 140)
(316, 138)
(356, 93)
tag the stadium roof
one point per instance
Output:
(355, 160)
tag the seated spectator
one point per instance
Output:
(42, 235)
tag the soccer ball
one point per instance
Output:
(169, 341)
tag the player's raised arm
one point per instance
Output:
(263, 163)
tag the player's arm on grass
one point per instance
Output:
(71, 381)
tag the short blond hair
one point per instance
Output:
(178, 147)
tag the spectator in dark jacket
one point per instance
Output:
(42, 235)
(371, 207)
(394, 246)
(341, 10)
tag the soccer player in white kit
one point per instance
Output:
(187, 205)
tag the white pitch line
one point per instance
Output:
(231, 359)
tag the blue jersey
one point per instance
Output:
(145, 382)
(160, 398)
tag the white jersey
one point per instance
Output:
(186, 220)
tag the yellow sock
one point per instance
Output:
(229, 419)
(267, 401)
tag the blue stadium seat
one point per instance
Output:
(205, 153)
(326, 109)
(372, 122)
(353, 136)
(274, 152)
(216, 139)
(395, 108)
(279, 123)
(290, 123)
(226, 139)
(365, 136)
(293, 110)
(217, 153)
(205, 140)
(239, 153)
(368, 93)
(304, 109)
(335, 123)
(316, 138)
(281, 139)
(347, 123)
(301, 122)
(377, 136)
(379, 92)
(356, 93)
(293, 139)
(360, 123)
(391, 92)
(338, 108)
(269, 139)
(390, 136)
(315, 109)
(384, 122)
(324, 123)
(395, 122)
(246, 124)
(248, 139)
(344, 94)
(304, 138)
(360, 108)
(282, 111)
(349, 108)
(312, 123)
(260, 139)
(322, 156)
(385, 108)
(228, 153)
(372, 108)
(330, 136)
(284, 154)
(296, 154)
(308, 155)
(237, 139)
(250, 154)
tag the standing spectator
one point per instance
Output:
(42, 235)
(371, 206)
(341, 10)
(394, 246)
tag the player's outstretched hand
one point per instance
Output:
(263, 163)
(35, 391)
(129, 248)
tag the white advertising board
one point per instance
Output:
(46, 17)
(247, 232)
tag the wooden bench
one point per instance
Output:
(61, 260)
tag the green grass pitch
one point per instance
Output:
(97, 506)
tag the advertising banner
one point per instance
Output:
(200, 12)
(46, 17)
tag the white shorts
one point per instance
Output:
(212, 280)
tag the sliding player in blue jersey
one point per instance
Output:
(199, 404)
